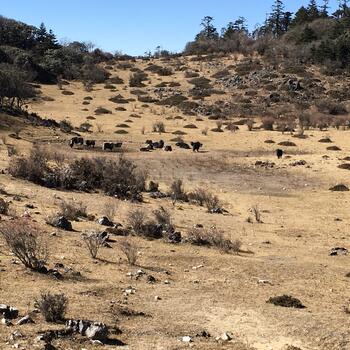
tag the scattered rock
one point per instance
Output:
(224, 337)
(24, 320)
(298, 162)
(187, 339)
(104, 221)
(62, 223)
(338, 251)
(90, 329)
(263, 164)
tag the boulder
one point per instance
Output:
(90, 329)
(104, 221)
(338, 251)
(24, 320)
(62, 223)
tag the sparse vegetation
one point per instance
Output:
(93, 242)
(130, 250)
(27, 242)
(52, 306)
(212, 237)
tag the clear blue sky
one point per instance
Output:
(136, 26)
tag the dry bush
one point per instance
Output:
(102, 110)
(130, 250)
(158, 127)
(136, 219)
(205, 131)
(177, 191)
(257, 214)
(4, 207)
(267, 123)
(331, 107)
(212, 237)
(204, 197)
(250, 124)
(99, 128)
(52, 306)
(136, 79)
(72, 210)
(93, 242)
(163, 218)
(110, 209)
(26, 242)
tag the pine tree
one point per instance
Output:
(324, 9)
(313, 10)
(276, 18)
(208, 31)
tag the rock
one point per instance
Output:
(338, 251)
(62, 223)
(187, 339)
(16, 335)
(24, 320)
(224, 337)
(151, 279)
(97, 331)
(156, 298)
(92, 330)
(175, 237)
(298, 162)
(8, 311)
(104, 221)
(6, 322)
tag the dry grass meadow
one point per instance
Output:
(196, 288)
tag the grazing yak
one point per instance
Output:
(90, 143)
(109, 146)
(76, 141)
(156, 144)
(196, 146)
(279, 153)
(183, 145)
(168, 149)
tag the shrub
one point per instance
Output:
(130, 250)
(4, 207)
(110, 209)
(153, 186)
(286, 301)
(72, 210)
(204, 197)
(93, 242)
(158, 127)
(85, 127)
(136, 219)
(136, 79)
(257, 214)
(26, 242)
(177, 192)
(52, 306)
(267, 123)
(66, 126)
(102, 110)
(212, 238)
(163, 218)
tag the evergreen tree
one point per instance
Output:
(287, 20)
(313, 12)
(301, 16)
(324, 9)
(275, 21)
(208, 31)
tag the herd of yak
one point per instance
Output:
(149, 145)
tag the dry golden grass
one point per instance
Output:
(199, 288)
